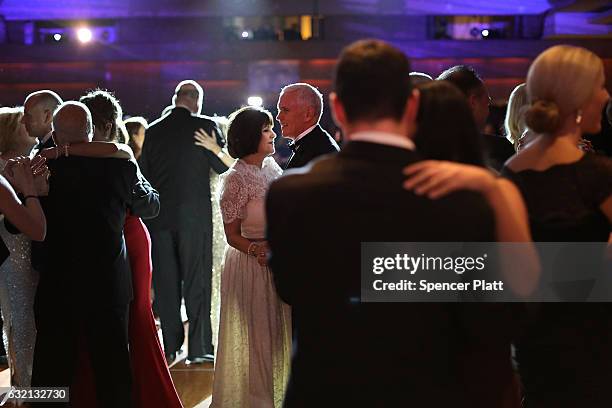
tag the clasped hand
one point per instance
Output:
(262, 253)
(28, 176)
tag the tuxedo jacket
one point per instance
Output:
(37, 247)
(179, 169)
(50, 142)
(374, 354)
(498, 150)
(312, 145)
(83, 260)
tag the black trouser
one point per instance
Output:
(105, 336)
(182, 267)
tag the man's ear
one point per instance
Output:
(412, 107)
(473, 101)
(107, 129)
(48, 116)
(337, 110)
(309, 114)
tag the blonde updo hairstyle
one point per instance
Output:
(10, 120)
(559, 82)
(514, 123)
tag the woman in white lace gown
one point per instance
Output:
(17, 278)
(253, 352)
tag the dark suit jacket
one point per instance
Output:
(179, 169)
(37, 247)
(372, 354)
(498, 149)
(83, 259)
(312, 145)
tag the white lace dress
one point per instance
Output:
(253, 351)
(18, 283)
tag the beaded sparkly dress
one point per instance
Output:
(18, 283)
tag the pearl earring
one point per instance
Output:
(578, 117)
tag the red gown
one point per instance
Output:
(152, 384)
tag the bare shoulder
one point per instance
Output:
(520, 161)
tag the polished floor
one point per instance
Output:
(193, 382)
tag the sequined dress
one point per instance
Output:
(253, 351)
(18, 283)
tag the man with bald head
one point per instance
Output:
(182, 233)
(85, 279)
(38, 115)
(300, 107)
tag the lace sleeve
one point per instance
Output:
(272, 170)
(233, 197)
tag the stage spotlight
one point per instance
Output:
(57, 37)
(84, 35)
(255, 101)
(485, 33)
(245, 34)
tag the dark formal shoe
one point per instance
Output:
(206, 358)
(170, 357)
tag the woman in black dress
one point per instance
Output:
(565, 354)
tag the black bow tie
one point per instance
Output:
(293, 146)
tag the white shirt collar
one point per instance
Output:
(304, 133)
(385, 138)
(46, 137)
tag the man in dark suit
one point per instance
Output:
(300, 107)
(182, 233)
(85, 280)
(350, 353)
(38, 111)
(498, 149)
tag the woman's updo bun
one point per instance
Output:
(543, 117)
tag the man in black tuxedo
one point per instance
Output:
(350, 353)
(498, 149)
(38, 111)
(300, 107)
(85, 279)
(182, 233)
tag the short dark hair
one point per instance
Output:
(244, 131)
(372, 80)
(463, 77)
(446, 129)
(105, 108)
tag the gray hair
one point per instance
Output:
(72, 123)
(307, 95)
(196, 95)
(48, 99)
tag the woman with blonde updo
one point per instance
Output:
(565, 354)
(514, 123)
(18, 280)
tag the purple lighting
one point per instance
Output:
(91, 9)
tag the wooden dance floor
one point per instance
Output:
(193, 383)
